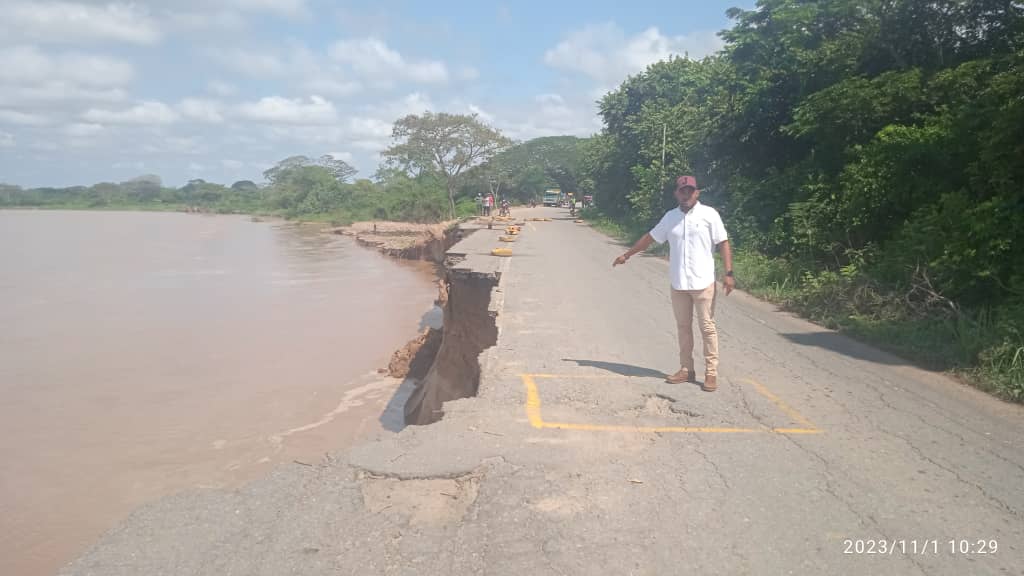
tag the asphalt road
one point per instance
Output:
(817, 455)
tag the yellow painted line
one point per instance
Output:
(763, 391)
(533, 414)
(578, 377)
(532, 402)
(619, 428)
(796, 430)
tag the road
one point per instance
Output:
(576, 458)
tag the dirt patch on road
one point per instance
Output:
(427, 501)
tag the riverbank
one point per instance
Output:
(405, 240)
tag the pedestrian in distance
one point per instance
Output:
(694, 231)
(479, 204)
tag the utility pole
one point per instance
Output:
(664, 131)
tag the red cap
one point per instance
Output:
(684, 181)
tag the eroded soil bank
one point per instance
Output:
(406, 240)
(442, 363)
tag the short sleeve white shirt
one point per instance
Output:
(692, 237)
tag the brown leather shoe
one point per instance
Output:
(684, 375)
(710, 383)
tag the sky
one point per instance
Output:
(94, 91)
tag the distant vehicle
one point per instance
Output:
(552, 197)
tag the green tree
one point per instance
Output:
(447, 144)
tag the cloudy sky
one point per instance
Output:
(221, 89)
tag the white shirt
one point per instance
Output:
(692, 237)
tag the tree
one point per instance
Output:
(245, 186)
(447, 144)
(280, 169)
(339, 169)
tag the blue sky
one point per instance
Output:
(221, 89)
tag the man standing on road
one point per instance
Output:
(693, 231)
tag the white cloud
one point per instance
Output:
(606, 54)
(6, 140)
(372, 58)
(182, 145)
(26, 64)
(221, 88)
(286, 7)
(147, 113)
(81, 129)
(233, 165)
(205, 19)
(22, 118)
(550, 115)
(481, 113)
(254, 63)
(49, 93)
(201, 110)
(469, 73)
(70, 22)
(344, 156)
(332, 86)
(276, 109)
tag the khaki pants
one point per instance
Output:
(683, 304)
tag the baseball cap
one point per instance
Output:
(684, 181)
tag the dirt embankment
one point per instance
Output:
(470, 326)
(405, 240)
(443, 363)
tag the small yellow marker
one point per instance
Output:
(501, 252)
(507, 238)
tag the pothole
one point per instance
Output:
(662, 405)
(657, 404)
(427, 501)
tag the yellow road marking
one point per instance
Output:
(778, 402)
(533, 413)
(574, 377)
(621, 428)
(532, 402)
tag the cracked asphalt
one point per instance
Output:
(814, 451)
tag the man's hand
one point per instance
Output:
(620, 260)
(730, 284)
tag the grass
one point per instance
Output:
(627, 233)
(984, 347)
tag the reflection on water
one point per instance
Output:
(142, 354)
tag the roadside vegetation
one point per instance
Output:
(868, 159)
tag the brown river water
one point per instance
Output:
(146, 353)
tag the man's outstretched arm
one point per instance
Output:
(642, 244)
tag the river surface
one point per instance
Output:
(146, 353)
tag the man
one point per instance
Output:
(479, 204)
(693, 232)
(488, 204)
